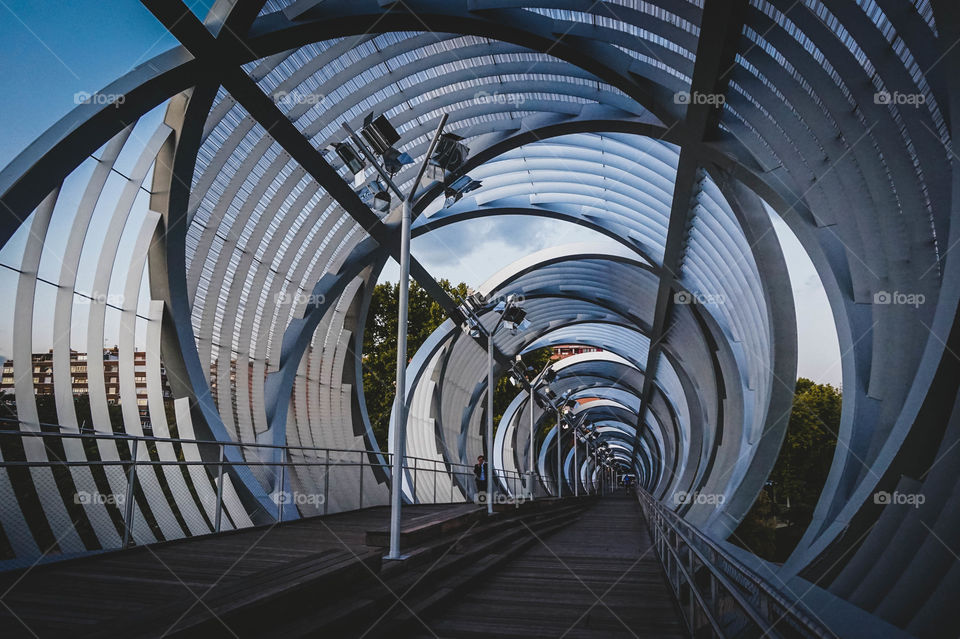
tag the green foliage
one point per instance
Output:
(380, 350)
(804, 462)
(757, 531)
(380, 344)
(798, 475)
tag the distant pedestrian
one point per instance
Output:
(480, 473)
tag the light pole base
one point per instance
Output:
(398, 558)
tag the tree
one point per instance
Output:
(799, 474)
(380, 344)
(380, 350)
(807, 451)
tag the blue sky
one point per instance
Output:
(48, 57)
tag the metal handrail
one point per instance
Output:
(684, 553)
(219, 463)
(205, 442)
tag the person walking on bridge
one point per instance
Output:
(480, 474)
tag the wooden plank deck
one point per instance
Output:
(93, 594)
(598, 577)
(552, 568)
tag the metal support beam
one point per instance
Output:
(193, 35)
(722, 24)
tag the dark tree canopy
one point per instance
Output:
(380, 344)
(784, 508)
(380, 350)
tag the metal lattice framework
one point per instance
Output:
(197, 219)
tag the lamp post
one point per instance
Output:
(399, 443)
(489, 462)
(544, 377)
(559, 456)
(513, 315)
(576, 468)
(533, 391)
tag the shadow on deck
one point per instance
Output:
(537, 570)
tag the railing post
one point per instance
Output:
(361, 481)
(281, 492)
(129, 497)
(691, 586)
(218, 516)
(714, 604)
(435, 473)
(326, 481)
(414, 480)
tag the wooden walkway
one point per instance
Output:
(550, 568)
(101, 593)
(598, 577)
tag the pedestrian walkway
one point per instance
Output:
(598, 577)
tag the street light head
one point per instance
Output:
(394, 160)
(473, 301)
(450, 152)
(460, 187)
(381, 202)
(375, 195)
(379, 133)
(514, 314)
(351, 159)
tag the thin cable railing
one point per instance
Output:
(718, 595)
(117, 490)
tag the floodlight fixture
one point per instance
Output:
(513, 315)
(351, 159)
(394, 160)
(461, 186)
(375, 195)
(519, 328)
(379, 133)
(450, 152)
